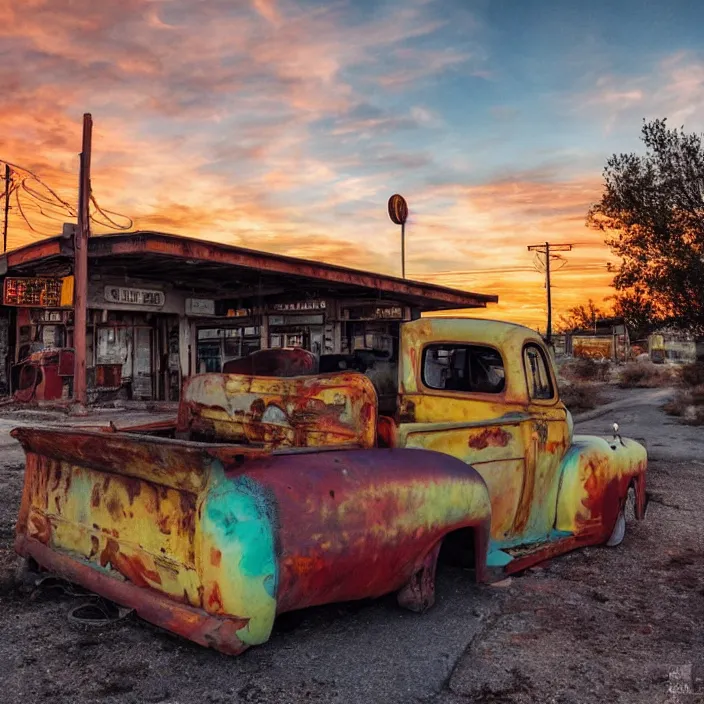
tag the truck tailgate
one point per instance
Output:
(122, 507)
(119, 504)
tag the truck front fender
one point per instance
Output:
(595, 477)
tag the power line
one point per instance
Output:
(38, 205)
(476, 272)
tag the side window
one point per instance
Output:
(537, 373)
(470, 368)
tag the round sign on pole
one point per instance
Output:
(398, 209)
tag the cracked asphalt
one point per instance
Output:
(596, 625)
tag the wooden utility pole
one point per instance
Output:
(80, 271)
(546, 250)
(7, 206)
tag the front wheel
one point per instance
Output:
(627, 513)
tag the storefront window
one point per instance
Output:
(219, 345)
(373, 335)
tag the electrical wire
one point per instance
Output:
(477, 272)
(104, 212)
(35, 199)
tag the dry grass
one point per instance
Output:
(584, 370)
(579, 396)
(692, 375)
(645, 375)
(688, 405)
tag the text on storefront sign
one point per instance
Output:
(134, 296)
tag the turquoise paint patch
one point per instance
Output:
(239, 519)
(240, 516)
(498, 558)
(80, 493)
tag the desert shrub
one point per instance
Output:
(579, 396)
(677, 405)
(644, 375)
(692, 374)
(688, 405)
(582, 369)
(697, 395)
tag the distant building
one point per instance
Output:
(673, 346)
(607, 339)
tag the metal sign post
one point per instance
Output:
(398, 212)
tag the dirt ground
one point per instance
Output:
(619, 624)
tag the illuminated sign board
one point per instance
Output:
(38, 292)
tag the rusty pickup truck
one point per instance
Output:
(275, 493)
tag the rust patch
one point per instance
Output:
(131, 567)
(114, 508)
(39, 528)
(133, 487)
(215, 557)
(489, 437)
(257, 409)
(540, 429)
(215, 599)
(408, 412)
(188, 512)
(57, 478)
(95, 496)
(302, 565)
(556, 445)
(163, 522)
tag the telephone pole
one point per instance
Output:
(8, 178)
(82, 233)
(546, 250)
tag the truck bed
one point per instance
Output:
(212, 540)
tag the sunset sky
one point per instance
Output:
(285, 125)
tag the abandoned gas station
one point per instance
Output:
(162, 307)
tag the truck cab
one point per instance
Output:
(486, 392)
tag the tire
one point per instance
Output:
(626, 514)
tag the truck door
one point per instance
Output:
(453, 399)
(548, 440)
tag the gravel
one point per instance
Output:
(619, 624)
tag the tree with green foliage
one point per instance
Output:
(582, 317)
(652, 214)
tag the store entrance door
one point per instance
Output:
(143, 363)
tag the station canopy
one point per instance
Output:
(218, 271)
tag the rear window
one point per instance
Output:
(470, 368)
(537, 374)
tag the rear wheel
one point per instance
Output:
(626, 514)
